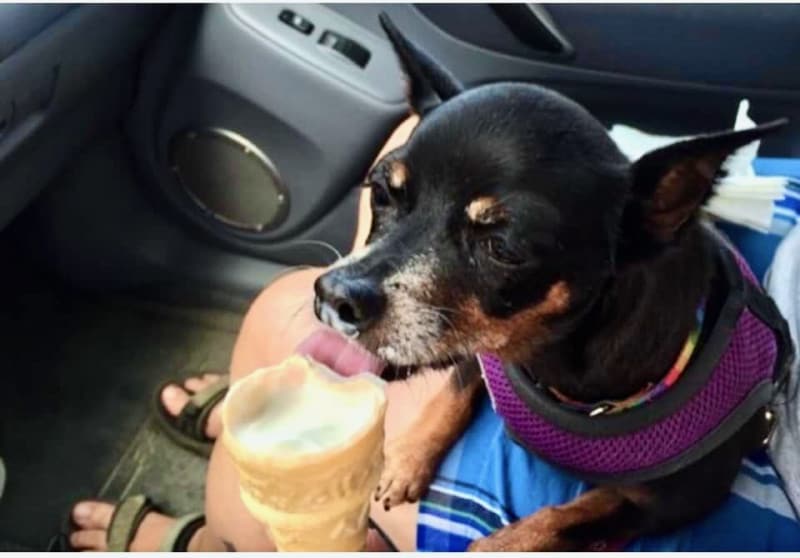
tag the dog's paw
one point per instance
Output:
(499, 543)
(407, 472)
(537, 533)
(482, 545)
(503, 540)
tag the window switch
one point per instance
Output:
(348, 48)
(297, 22)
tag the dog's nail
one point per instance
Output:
(386, 505)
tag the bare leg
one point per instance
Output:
(263, 342)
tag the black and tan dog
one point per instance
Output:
(510, 223)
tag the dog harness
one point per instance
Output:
(709, 394)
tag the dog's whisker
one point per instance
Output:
(296, 313)
(320, 243)
(438, 313)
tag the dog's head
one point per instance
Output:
(503, 212)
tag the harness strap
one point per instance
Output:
(592, 446)
(765, 309)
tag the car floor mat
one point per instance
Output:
(79, 372)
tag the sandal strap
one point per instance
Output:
(210, 394)
(178, 537)
(125, 521)
(193, 418)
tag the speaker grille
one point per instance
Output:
(229, 178)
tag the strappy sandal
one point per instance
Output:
(188, 428)
(128, 517)
(125, 522)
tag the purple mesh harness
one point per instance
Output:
(733, 375)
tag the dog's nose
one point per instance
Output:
(348, 304)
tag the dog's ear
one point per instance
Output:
(671, 183)
(428, 83)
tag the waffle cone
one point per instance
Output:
(314, 500)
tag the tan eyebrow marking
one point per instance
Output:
(398, 174)
(485, 210)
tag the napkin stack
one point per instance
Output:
(748, 194)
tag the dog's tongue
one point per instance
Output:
(339, 354)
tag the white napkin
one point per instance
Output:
(741, 196)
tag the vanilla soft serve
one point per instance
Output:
(304, 418)
(308, 447)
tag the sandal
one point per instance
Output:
(188, 428)
(125, 522)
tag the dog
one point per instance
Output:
(510, 224)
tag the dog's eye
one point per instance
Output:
(380, 196)
(499, 251)
(387, 182)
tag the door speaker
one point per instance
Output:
(229, 178)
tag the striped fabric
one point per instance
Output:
(786, 211)
(488, 481)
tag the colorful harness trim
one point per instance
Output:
(649, 392)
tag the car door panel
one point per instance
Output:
(51, 59)
(318, 118)
(619, 72)
(732, 46)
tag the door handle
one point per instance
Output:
(532, 24)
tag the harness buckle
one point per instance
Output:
(600, 410)
(771, 423)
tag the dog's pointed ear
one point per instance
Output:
(428, 82)
(671, 183)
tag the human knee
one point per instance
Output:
(280, 314)
(283, 296)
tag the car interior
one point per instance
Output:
(160, 164)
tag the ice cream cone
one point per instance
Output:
(308, 479)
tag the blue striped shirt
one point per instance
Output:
(488, 481)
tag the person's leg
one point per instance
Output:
(290, 296)
(263, 341)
